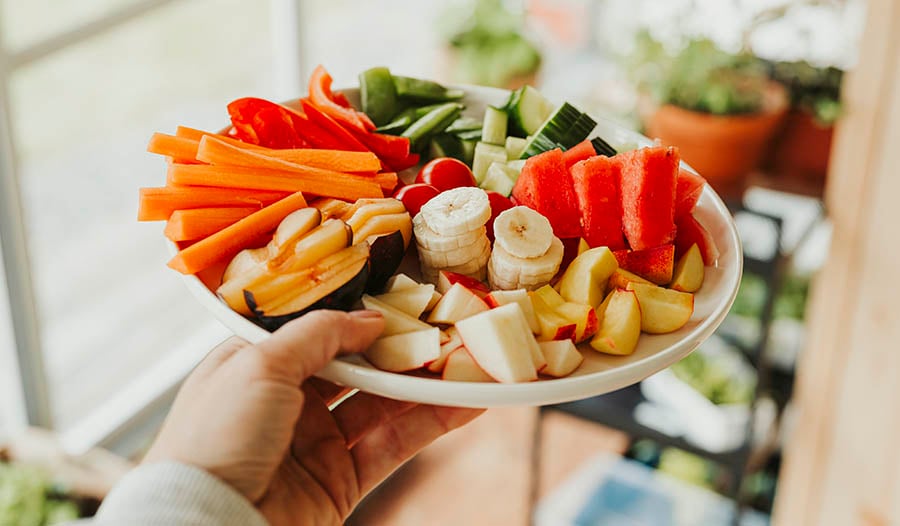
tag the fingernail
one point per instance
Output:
(365, 314)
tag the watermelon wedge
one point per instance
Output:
(648, 195)
(654, 264)
(691, 232)
(545, 186)
(579, 152)
(596, 185)
(688, 188)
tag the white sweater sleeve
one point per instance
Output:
(175, 495)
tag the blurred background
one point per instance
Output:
(96, 333)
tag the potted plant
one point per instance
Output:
(721, 109)
(486, 45)
(803, 145)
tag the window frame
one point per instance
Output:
(123, 422)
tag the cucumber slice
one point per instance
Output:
(498, 179)
(566, 127)
(516, 165)
(485, 154)
(602, 147)
(378, 95)
(425, 90)
(494, 129)
(421, 131)
(514, 147)
(527, 110)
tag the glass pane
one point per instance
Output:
(31, 21)
(10, 389)
(109, 307)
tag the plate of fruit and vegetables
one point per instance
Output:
(521, 252)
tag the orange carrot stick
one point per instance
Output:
(179, 149)
(198, 223)
(157, 204)
(226, 243)
(197, 135)
(387, 180)
(316, 182)
(215, 151)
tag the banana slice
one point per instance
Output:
(457, 211)
(523, 232)
(431, 240)
(451, 258)
(507, 270)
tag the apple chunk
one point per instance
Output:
(411, 301)
(620, 324)
(447, 279)
(457, 304)
(452, 343)
(662, 310)
(461, 367)
(520, 296)
(621, 278)
(562, 357)
(500, 341)
(405, 352)
(585, 280)
(399, 282)
(689, 271)
(395, 320)
(553, 325)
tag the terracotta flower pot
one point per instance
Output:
(802, 147)
(723, 148)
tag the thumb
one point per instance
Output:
(304, 346)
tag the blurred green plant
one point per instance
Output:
(28, 498)
(699, 76)
(815, 90)
(489, 43)
(715, 376)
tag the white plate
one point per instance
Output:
(598, 374)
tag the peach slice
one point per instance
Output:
(562, 357)
(662, 310)
(585, 280)
(620, 325)
(621, 278)
(689, 271)
(553, 325)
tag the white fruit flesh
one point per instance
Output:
(405, 352)
(428, 238)
(522, 232)
(585, 279)
(459, 256)
(562, 357)
(662, 310)
(457, 211)
(500, 342)
(412, 301)
(461, 367)
(620, 324)
(395, 320)
(454, 342)
(689, 271)
(400, 282)
(456, 305)
(520, 296)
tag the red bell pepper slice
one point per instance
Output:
(320, 95)
(258, 121)
(398, 165)
(386, 147)
(313, 134)
(347, 140)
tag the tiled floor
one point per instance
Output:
(482, 473)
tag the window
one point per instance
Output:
(116, 326)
